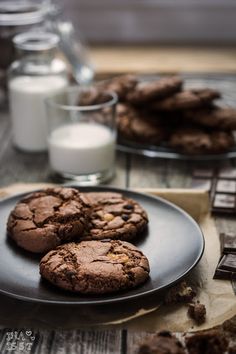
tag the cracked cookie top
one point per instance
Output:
(187, 99)
(113, 216)
(43, 220)
(146, 91)
(95, 267)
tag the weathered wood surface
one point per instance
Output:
(163, 59)
(131, 172)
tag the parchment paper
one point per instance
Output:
(217, 295)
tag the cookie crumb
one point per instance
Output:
(181, 293)
(197, 312)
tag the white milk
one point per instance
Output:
(27, 107)
(82, 148)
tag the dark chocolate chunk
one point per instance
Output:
(226, 186)
(228, 262)
(224, 201)
(227, 173)
(228, 243)
(128, 206)
(224, 274)
(125, 217)
(203, 173)
(201, 183)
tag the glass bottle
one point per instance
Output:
(37, 74)
(19, 16)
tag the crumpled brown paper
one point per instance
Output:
(217, 295)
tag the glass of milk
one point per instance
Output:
(81, 140)
(36, 74)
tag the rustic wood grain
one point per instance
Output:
(55, 342)
(163, 59)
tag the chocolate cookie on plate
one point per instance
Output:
(213, 116)
(95, 267)
(43, 220)
(197, 141)
(139, 127)
(92, 96)
(121, 85)
(186, 100)
(151, 90)
(113, 216)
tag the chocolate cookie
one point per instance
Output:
(186, 100)
(121, 85)
(215, 117)
(139, 126)
(151, 90)
(43, 220)
(114, 216)
(209, 342)
(161, 343)
(197, 141)
(95, 267)
(92, 96)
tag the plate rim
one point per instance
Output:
(124, 298)
(158, 152)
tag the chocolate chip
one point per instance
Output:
(125, 217)
(70, 273)
(128, 206)
(165, 334)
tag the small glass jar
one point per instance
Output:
(17, 17)
(20, 16)
(37, 74)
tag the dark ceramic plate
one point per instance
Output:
(173, 244)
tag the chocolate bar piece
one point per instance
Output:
(203, 173)
(228, 243)
(227, 173)
(226, 186)
(224, 201)
(224, 274)
(228, 262)
(226, 268)
(201, 183)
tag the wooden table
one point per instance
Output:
(131, 172)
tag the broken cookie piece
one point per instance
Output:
(180, 293)
(197, 312)
(161, 343)
(210, 342)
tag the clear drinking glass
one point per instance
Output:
(81, 140)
